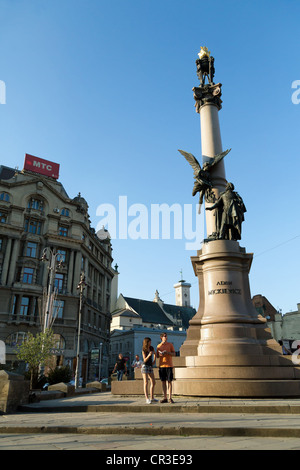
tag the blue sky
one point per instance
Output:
(104, 88)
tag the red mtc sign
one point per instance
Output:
(38, 165)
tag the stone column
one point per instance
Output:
(6, 261)
(12, 266)
(208, 103)
(70, 271)
(229, 350)
(77, 271)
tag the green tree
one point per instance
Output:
(36, 351)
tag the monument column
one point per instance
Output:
(208, 104)
(229, 349)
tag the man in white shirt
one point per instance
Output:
(137, 364)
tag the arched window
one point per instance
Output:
(59, 341)
(16, 339)
(4, 197)
(36, 204)
(65, 212)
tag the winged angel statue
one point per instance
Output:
(203, 183)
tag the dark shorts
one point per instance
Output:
(166, 374)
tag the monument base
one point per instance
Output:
(229, 350)
(238, 376)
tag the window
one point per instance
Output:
(3, 217)
(36, 204)
(33, 226)
(61, 255)
(28, 275)
(31, 250)
(16, 339)
(59, 341)
(13, 310)
(58, 306)
(59, 282)
(24, 307)
(63, 231)
(4, 197)
(65, 212)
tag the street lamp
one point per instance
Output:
(100, 360)
(80, 287)
(55, 263)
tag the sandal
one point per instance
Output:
(171, 401)
(164, 401)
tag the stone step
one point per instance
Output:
(237, 372)
(237, 388)
(220, 387)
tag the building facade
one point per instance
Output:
(43, 231)
(130, 342)
(134, 319)
(286, 328)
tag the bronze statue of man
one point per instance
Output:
(205, 66)
(229, 214)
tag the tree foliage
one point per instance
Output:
(59, 374)
(36, 350)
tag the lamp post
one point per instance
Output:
(55, 263)
(81, 287)
(100, 360)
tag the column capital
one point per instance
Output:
(208, 94)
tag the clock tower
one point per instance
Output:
(182, 293)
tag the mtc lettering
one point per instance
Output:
(42, 165)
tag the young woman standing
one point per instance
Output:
(147, 369)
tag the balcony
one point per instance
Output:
(33, 288)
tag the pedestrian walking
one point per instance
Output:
(164, 352)
(149, 358)
(120, 367)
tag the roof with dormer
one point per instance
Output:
(149, 311)
(178, 311)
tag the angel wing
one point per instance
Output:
(192, 161)
(217, 158)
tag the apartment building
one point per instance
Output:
(46, 242)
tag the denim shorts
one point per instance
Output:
(146, 369)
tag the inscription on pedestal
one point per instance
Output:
(230, 290)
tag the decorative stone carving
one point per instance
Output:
(208, 94)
